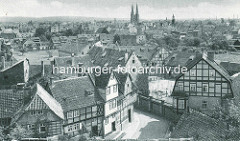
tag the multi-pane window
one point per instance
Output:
(204, 104)
(69, 114)
(76, 113)
(205, 88)
(108, 90)
(193, 87)
(180, 86)
(42, 128)
(112, 104)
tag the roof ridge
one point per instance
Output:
(70, 78)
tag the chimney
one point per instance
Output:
(210, 55)
(43, 71)
(72, 59)
(51, 82)
(3, 62)
(126, 56)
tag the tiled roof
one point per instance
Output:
(67, 61)
(107, 57)
(232, 68)
(102, 30)
(179, 58)
(10, 101)
(72, 93)
(76, 48)
(197, 124)
(102, 80)
(121, 78)
(52, 103)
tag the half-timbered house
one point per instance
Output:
(117, 91)
(43, 115)
(127, 98)
(204, 86)
(82, 106)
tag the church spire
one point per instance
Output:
(132, 15)
(137, 14)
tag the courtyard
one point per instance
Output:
(146, 126)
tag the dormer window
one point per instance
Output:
(88, 92)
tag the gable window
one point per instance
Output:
(115, 88)
(133, 61)
(192, 72)
(204, 104)
(42, 128)
(108, 91)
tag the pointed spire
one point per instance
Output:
(136, 9)
(137, 15)
(132, 12)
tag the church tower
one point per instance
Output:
(173, 20)
(137, 15)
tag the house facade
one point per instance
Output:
(117, 91)
(43, 115)
(82, 107)
(204, 86)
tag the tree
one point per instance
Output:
(18, 132)
(68, 32)
(116, 39)
(192, 41)
(232, 23)
(40, 32)
(2, 136)
(171, 41)
(64, 137)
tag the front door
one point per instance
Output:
(95, 131)
(113, 126)
(129, 115)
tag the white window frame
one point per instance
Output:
(69, 114)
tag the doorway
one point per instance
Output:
(113, 126)
(129, 115)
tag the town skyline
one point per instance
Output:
(150, 10)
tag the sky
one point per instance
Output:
(148, 9)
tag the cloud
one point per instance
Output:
(57, 4)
